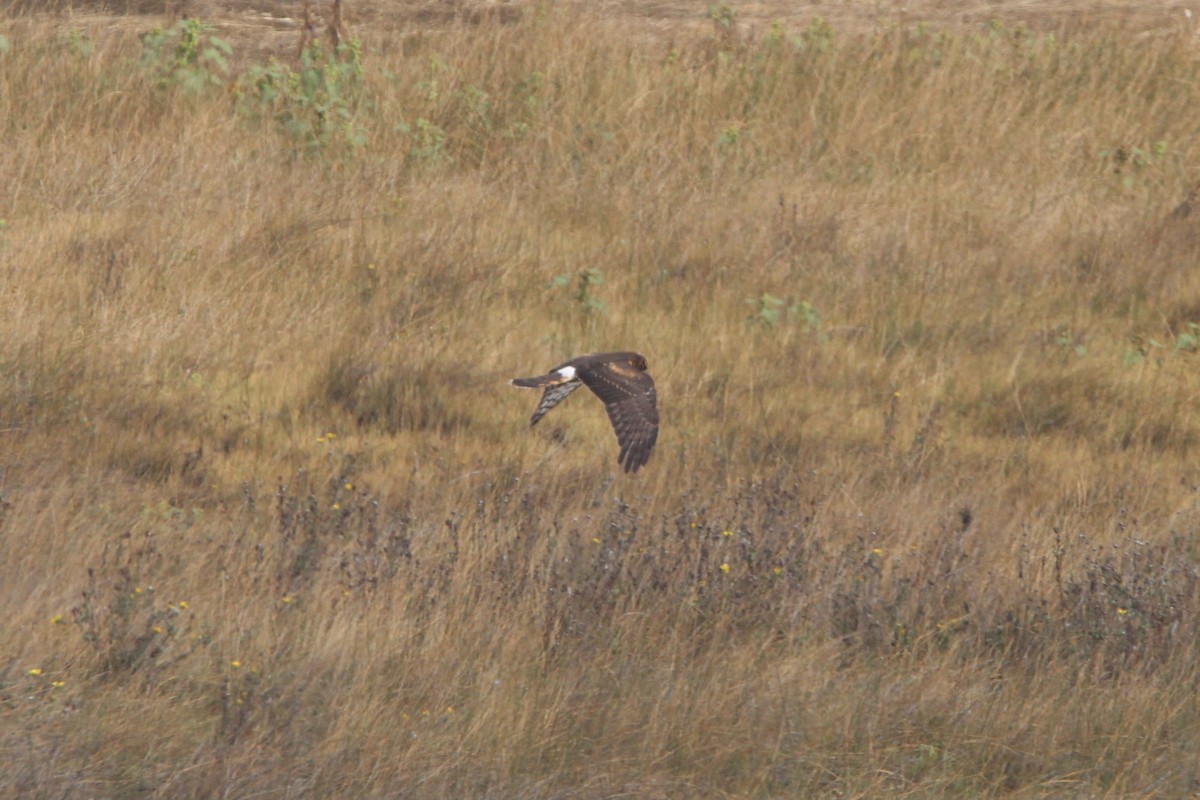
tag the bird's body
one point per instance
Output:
(622, 383)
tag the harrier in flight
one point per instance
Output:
(620, 380)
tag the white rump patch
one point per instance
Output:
(567, 372)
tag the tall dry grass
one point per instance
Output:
(922, 520)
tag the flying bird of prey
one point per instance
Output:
(621, 381)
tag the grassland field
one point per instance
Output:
(918, 285)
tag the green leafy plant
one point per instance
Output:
(316, 105)
(189, 54)
(1189, 340)
(732, 135)
(1070, 341)
(1140, 351)
(427, 142)
(431, 87)
(586, 282)
(1129, 161)
(768, 311)
(805, 312)
(817, 37)
(723, 15)
(765, 311)
(79, 43)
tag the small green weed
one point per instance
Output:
(818, 37)
(768, 311)
(1129, 161)
(1189, 340)
(585, 289)
(316, 106)
(189, 54)
(732, 135)
(1070, 341)
(80, 44)
(1142, 347)
(427, 142)
(723, 16)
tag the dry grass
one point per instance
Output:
(922, 521)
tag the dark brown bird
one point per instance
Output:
(621, 381)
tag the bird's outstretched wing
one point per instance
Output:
(632, 405)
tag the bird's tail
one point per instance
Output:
(538, 381)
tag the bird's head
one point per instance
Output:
(638, 362)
